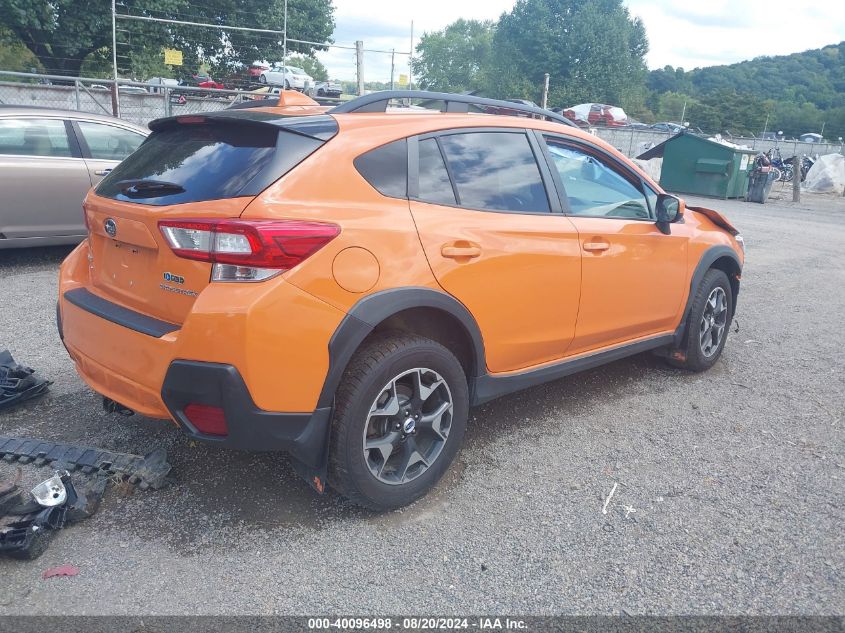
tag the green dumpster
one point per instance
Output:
(692, 164)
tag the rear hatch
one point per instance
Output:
(190, 168)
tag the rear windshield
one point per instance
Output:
(192, 163)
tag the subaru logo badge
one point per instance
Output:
(110, 227)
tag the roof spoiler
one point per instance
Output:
(286, 99)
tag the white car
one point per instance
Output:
(287, 76)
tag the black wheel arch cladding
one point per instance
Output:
(722, 257)
(374, 309)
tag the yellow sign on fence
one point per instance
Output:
(403, 80)
(172, 56)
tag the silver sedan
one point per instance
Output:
(49, 159)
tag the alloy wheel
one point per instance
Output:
(713, 322)
(407, 426)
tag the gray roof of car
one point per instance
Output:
(18, 110)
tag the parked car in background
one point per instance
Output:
(327, 89)
(290, 77)
(810, 137)
(48, 161)
(157, 84)
(668, 127)
(203, 81)
(586, 114)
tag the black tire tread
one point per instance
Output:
(692, 361)
(365, 361)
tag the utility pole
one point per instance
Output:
(392, 65)
(411, 60)
(683, 112)
(285, 38)
(115, 96)
(545, 90)
(359, 65)
(797, 164)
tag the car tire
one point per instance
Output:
(376, 406)
(321, 93)
(262, 79)
(712, 308)
(287, 85)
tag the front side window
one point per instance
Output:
(34, 137)
(108, 142)
(495, 171)
(593, 188)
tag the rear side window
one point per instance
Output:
(495, 171)
(434, 179)
(195, 162)
(34, 137)
(386, 168)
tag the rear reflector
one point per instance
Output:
(207, 419)
(247, 250)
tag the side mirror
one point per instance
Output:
(668, 211)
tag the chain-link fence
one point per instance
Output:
(633, 141)
(137, 102)
(143, 102)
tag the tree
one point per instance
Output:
(455, 59)
(593, 51)
(309, 64)
(62, 34)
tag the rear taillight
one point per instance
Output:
(247, 250)
(207, 419)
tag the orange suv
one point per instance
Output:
(343, 284)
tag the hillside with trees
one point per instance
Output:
(595, 52)
(798, 93)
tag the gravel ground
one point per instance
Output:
(730, 496)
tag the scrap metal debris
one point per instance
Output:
(28, 524)
(148, 471)
(18, 382)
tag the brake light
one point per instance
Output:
(207, 419)
(247, 250)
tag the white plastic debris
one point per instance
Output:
(51, 492)
(609, 497)
(827, 175)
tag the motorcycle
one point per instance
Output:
(784, 168)
(806, 163)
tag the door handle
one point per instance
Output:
(460, 250)
(103, 172)
(596, 245)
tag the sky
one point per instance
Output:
(687, 34)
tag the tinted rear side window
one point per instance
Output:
(208, 162)
(434, 179)
(386, 168)
(495, 171)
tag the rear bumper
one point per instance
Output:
(229, 352)
(303, 435)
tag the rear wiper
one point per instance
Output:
(148, 188)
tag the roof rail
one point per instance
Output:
(377, 102)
